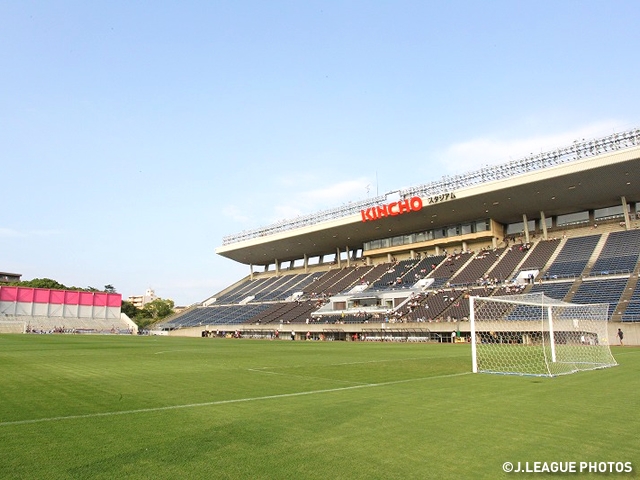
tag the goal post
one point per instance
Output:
(532, 334)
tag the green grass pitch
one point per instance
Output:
(105, 407)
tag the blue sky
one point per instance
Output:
(135, 135)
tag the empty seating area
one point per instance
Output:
(601, 291)
(573, 258)
(218, 315)
(242, 291)
(268, 300)
(292, 312)
(474, 272)
(322, 283)
(266, 289)
(540, 254)
(353, 277)
(429, 307)
(506, 265)
(374, 274)
(460, 308)
(272, 313)
(443, 273)
(280, 290)
(430, 263)
(556, 290)
(619, 254)
(632, 312)
(397, 275)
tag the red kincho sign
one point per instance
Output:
(392, 209)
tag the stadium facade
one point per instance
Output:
(586, 176)
(402, 265)
(43, 310)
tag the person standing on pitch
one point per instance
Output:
(620, 336)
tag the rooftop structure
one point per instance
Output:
(586, 176)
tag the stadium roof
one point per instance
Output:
(586, 176)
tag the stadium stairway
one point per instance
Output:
(632, 284)
(511, 262)
(572, 290)
(553, 256)
(507, 261)
(595, 254)
(445, 299)
(541, 255)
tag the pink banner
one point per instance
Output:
(114, 300)
(86, 298)
(41, 295)
(25, 294)
(71, 297)
(58, 297)
(100, 299)
(8, 294)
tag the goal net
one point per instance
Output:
(532, 334)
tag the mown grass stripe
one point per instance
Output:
(221, 402)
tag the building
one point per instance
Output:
(572, 185)
(44, 310)
(396, 262)
(10, 277)
(140, 301)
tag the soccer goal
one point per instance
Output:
(532, 334)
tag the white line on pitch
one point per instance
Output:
(376, 361)
(222, 402)
(262, 370)
(345, 363)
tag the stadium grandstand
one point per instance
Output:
(43, 310)
(402, 266)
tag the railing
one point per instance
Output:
(448, 184)
(305, 220)
(561, 276)
(599, 273)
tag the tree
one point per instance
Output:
(129, 309)
(150, 313)
(55, 285)
(158, 309)
(41, 283)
